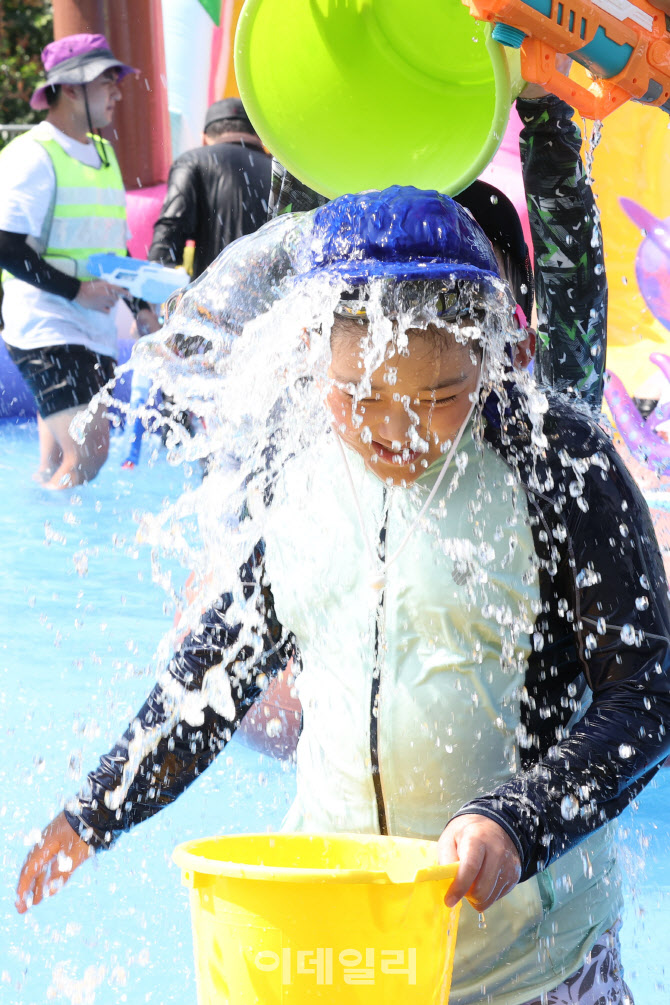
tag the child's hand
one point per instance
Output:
(50, 863)
(146, 321)
(99, 295)
(489, 865)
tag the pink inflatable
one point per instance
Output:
(144, 205)
(640, 437)
(504, 172)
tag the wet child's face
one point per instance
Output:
(418, 400)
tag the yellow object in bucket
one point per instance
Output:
(359, 94)
(282, 919)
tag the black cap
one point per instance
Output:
(498, 218)
(228, 108)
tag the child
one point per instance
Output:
(471, 582)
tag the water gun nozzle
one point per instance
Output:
(507, 35)
(624, 45)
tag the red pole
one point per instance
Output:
(134, 30)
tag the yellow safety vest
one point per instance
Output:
(87, 214)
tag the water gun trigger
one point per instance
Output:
(538, 66)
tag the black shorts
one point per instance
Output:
(62, 376)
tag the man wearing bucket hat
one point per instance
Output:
(63, 199)
(217, 192)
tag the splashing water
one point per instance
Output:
(247, 350)
(569, 807)
(592, 140)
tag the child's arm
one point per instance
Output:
(162, 753)
(570, 281)
(613, 586)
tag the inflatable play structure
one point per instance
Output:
(186, 26)
(646, 440)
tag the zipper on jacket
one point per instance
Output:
(375, 691)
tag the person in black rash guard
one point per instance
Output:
(216, 193)
(553, 727)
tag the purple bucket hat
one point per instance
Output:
(76, 59)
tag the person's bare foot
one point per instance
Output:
(43, 475)
(61, 480)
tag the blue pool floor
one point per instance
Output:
(81, 620)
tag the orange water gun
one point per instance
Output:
(625, 46)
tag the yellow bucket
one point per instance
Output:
(289, 918)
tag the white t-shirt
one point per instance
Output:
(33, 318)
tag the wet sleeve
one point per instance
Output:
(615, 584)
(210, 684)
(288, 195)
(178, 217)
(570, 281)
(17, 257)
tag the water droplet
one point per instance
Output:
(601, 626)
(80, 561)
(569, 807)
(625, 750)
(644, 583)
(587, 577)
(623, 530)
(486, 553)
(628, 635)
(642, 603)
(273, 728)
(481, 922)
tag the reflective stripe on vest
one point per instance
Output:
(88, 215)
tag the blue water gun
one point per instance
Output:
(624, 45)
(147, 280)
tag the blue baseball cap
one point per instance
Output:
(400, 233)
